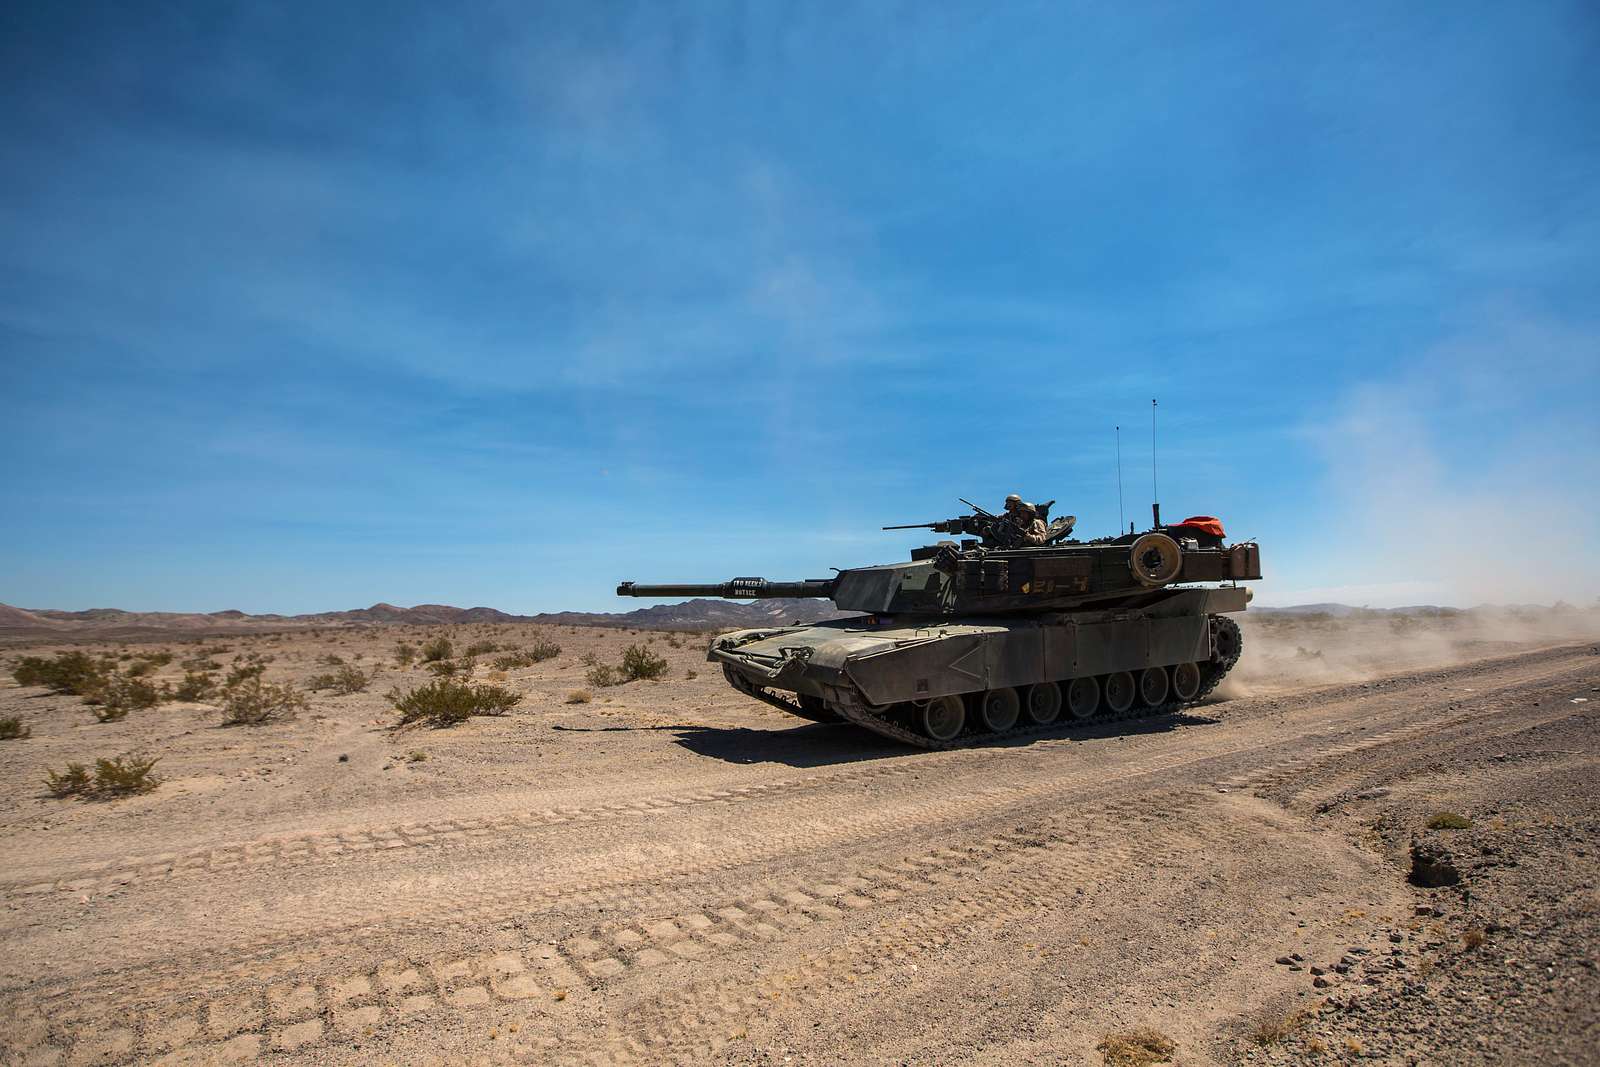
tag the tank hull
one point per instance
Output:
(883, 673)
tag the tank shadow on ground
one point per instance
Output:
(824, 744)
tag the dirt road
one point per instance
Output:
(674, 879)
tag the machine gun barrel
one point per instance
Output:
(914, 526)
(736, 589)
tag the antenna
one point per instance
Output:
(1155, 492)
(1119, 479)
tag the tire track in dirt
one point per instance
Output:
(252, 1006)
(282, 937)
(293, 1014)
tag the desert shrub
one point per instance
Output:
(343, 681)
(331, 659)
(12, 729)
(416, 755)
(691, 674)
(71, 781)
(447, 668)
(253, 702)
(1271, 1029)
(404, 654)
(1136, 1048)
(75, 673)
(201, 661)
(1449, 820)
(602, 675)
(480, 648)
(589, 659)
(139, 668)
(639, 662)
(118, 694)
(446, 702)
(579, 696)
(1473, 937)
(240, 673)
(438, 649)
(195, 687)
(124, 776)
(537, 652)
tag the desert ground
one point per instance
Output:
(671, 872)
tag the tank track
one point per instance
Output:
(860, 715)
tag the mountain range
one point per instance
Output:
(691, 615)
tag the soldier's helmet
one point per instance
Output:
(1013, 502)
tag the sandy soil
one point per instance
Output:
(673, 873)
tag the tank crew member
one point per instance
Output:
(1026, 518)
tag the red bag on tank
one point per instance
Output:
(1205, 523)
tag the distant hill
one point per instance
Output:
(691, 615)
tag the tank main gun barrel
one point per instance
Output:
(736, 589)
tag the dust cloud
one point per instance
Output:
(1287, 651)
(1463, 476)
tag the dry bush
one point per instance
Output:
(480, 648)
(124, 776)
(1136, 1048)
(1473, 937)
(71, 781)
(579, 696)
(691, 674)
(1271, 1029)
(589, 659)
(117, 694)
(447, 668)
(344, 681)
(197, 686)
(638, 662)
(74, 673)
(602, 676)
(446, 702)
(254, 702)
(537, 652)
(12, 729)
(331, 659)
(1449, 820)
(404, 654)
(201, 661)
(438, 649)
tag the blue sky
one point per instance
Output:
(305, 306)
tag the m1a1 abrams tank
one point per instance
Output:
(992, 636)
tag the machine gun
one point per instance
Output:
(995, 530)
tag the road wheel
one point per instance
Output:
(1186, 681)
(999, 708)
(943, 718)
(1044, 703)
(1119, 691)
(1153, 686)
(1083, 697)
